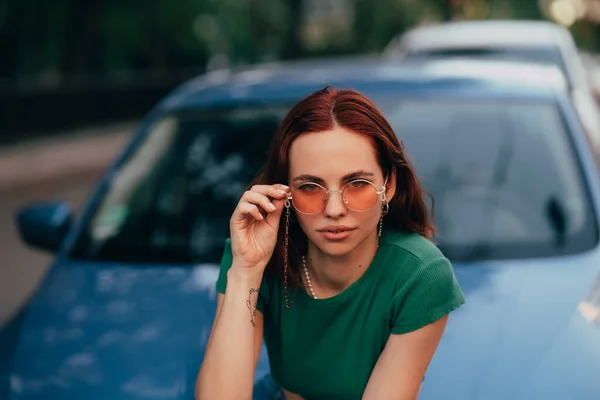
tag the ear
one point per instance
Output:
(390, 186)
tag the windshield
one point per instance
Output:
(504, 177)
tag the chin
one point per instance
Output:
(336, 249)
(340, 248)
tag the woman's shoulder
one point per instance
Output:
(419, 279)
(405, 257)
(409, 246)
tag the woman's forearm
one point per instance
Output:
(227, 371)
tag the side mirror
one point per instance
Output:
(44, 225)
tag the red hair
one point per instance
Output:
(321, 111)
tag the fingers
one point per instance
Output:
(274, 191)
(263, 200)
(260, 200)
(273, 218)
(251, 210)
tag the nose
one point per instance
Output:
(334, 205)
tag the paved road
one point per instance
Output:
(56, 170)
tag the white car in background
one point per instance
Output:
(540, 42)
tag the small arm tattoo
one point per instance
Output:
(252, 307)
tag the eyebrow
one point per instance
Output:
(348, 177)
(357, 174)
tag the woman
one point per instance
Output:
(329, 260)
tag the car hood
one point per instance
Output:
(111, 331)
(529, 330)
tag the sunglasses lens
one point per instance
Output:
(360, 195)
(309, 198)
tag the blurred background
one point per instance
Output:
(75, 77)
(66, 64)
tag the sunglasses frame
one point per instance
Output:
(381, 193)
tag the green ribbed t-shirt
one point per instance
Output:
(327, 348)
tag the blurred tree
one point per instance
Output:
(22, 37)
(156, 45)
(257, 33)
(110, 36)
(447, 9)
(161, 36)
(150, 43)
(526, 9)
(181, 19)
(374, 27)
(80, 35)
(444, 10)
(8, 38)
(292, 47)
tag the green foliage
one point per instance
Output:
(107, 37)
(374, 27)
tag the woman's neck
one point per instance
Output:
(330, 275)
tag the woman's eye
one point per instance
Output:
(309, 187)
(357, 184)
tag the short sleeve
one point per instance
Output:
(226, 261)
(430, 294)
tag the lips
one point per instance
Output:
(336, 233)
(336, 229)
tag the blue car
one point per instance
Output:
(127, 306)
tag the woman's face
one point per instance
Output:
(332, 159)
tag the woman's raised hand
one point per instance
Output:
(254, 225)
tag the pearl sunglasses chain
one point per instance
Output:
(308, 282)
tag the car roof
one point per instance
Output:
(465, 34)
(290, 81)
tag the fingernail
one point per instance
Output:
(287, 187)
(272, 206)
(281, 192)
